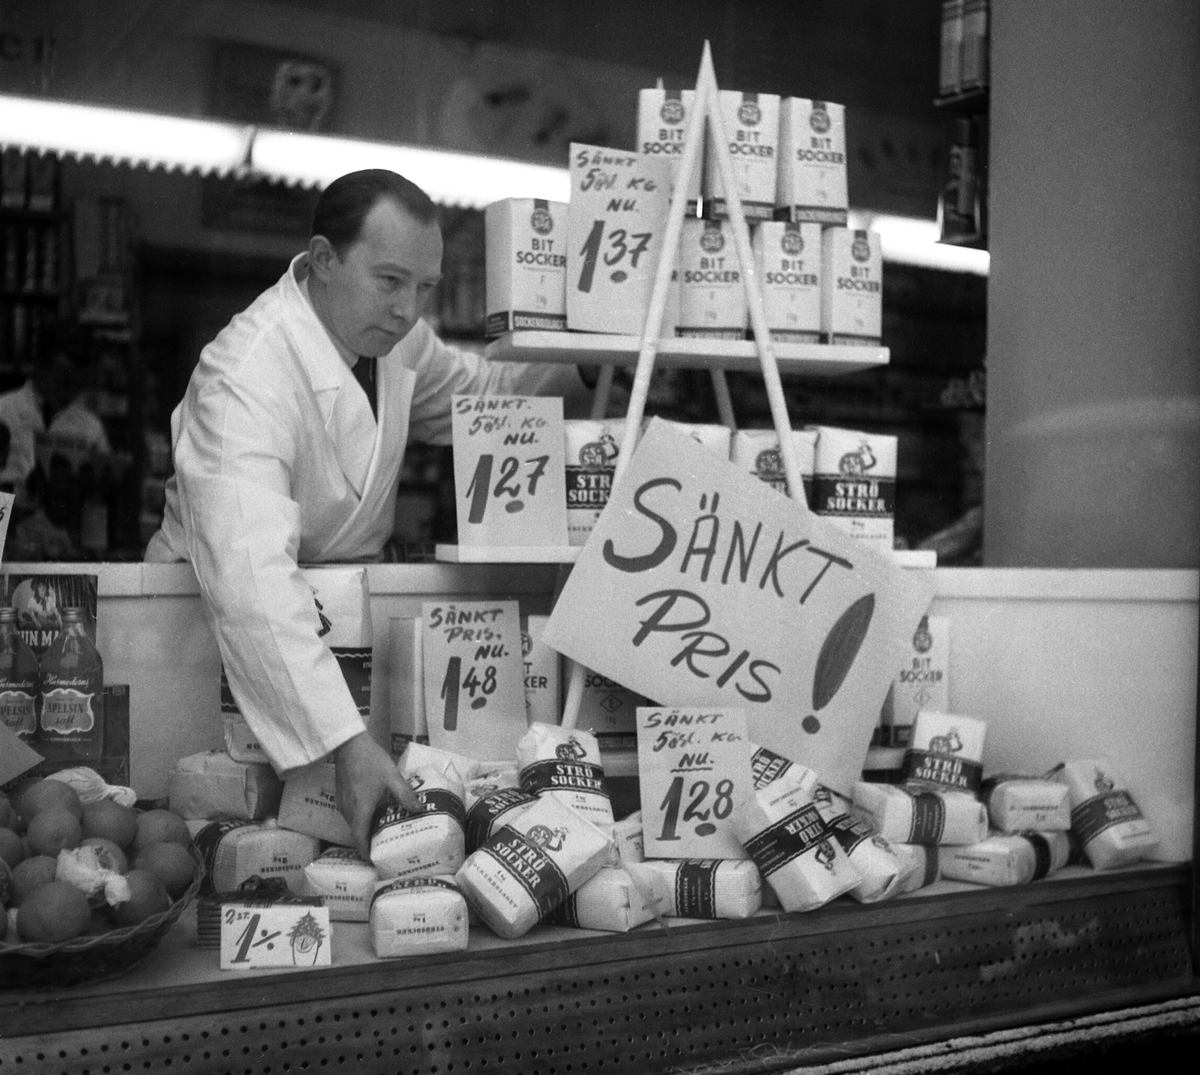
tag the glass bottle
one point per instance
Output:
(20, 679)
(70, 724)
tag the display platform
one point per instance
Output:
(765, 994)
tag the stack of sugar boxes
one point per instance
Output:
(588, 265)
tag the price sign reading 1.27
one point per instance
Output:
(510, 470)
(693, 771)
(619, 204)
(474, 677)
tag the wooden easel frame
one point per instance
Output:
(706, 106)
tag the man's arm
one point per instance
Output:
(242, 531)
(444, 371)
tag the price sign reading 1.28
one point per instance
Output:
(619, 204)
(693, 771)
(474, 677)
(510, 470)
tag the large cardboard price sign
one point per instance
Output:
(510, 470)
(275, 935)
(619, 203)
(701, 588)
(693, 770)
(474, 677)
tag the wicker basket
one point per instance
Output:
(91, 958)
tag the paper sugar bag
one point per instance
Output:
(712, 590)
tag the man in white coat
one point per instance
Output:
(282, 457)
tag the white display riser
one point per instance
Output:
(1061, 664)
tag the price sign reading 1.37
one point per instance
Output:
(474, 677)
(693, 771)
(619, 204)
(510, 470)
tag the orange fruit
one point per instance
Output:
(147, 896)
(52, 830)
(100, 922)
(47, 793)
(12, 847)
(32, 873)
(171, 863)
(109, 855)
(155, 826)
(111, 820)
(53, 912)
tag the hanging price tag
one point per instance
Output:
(474, 677)
(278, 935)
(619, 203)
(510, 470)
(693, 770)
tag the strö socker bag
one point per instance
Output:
(870, 852)
(564, 763)
(794, 848)
(425, 844)
(531, 865)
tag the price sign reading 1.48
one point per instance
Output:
(509, 470)
(619, 204)
(693, 770)
(474, 676)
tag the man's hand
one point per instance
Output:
(367, 778)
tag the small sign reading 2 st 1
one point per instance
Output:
(509, 470)
(693, 769)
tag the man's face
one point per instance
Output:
(378, 290)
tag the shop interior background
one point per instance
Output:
(155, 262)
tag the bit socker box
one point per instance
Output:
(526, 249)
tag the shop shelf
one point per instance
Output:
(600, 349)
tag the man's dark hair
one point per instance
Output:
(345, 203)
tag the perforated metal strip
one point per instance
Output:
(788, 993)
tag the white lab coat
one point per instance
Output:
(279, 461)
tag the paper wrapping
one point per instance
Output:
(531, 865)
(1104, 816)
(213, 784)
(912, 816)
(343, 881)
(703, 888)
(1007, 858)
(427, 844)
(1027, 803)
(610, 901)
(417, 916)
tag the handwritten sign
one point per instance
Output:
(693, 770)
(701, 588)
(277, 935)
(510, 470)
(619, 203)
(474, 677)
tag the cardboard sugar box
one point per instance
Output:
(757, 450)
(923, 682)
(854, 483)
(812, 183)
(788, 259)
(851, 287)
(712, 294)
(946, 752)
(752, 132)
(618, 213)
(526, 250)
(662, 119)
